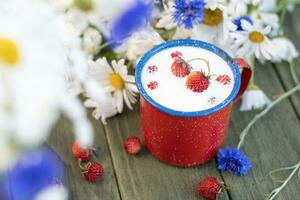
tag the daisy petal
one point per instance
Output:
(132, 87)
(119, 100)
(130, 79)
(246, 25)
(267, 30)
(96, 114)
(127, 100)
(90, 103)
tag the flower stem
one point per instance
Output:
(280, 170)
(103, 46)
(293, 72)
(277, 190)
(264, 112)
(281, 6)
(281, 21)
(129, 64)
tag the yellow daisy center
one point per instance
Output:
(256, 37)
(9, 52)
(84, 5)
(116, 81)
(213, 17)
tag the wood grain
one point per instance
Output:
(142, 177)
(272, 143)
(292, 27)
(61, 141)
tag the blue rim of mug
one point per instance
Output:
(192, 43)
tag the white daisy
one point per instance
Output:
(166, 20)
(216, 24)
(183, 33)
(102, 110)
(115, 79)
(77, 73)
(267, 5)
(139, 43)
(35, 57)
(214, 4)
(266, 19)
(82, 13)
(253, 40)
(102, 102)
(239, 8)
(60, 5)
(254, 98)
(91, 39)
(81, 19)
(286, 50)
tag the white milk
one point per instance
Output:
(171, 91)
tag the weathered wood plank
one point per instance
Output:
(61, 141)
(142, 176)
(292, 30)
(273, 142)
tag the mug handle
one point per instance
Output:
(246, 74)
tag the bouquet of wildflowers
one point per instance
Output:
(114, 42)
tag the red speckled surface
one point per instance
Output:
(183, 141)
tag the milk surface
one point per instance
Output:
(171, 92)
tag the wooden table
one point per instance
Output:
(273, 142)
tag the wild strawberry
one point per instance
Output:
(197, 82)
(224, 79)
(212, 100)
(80, 153)
(152, 85)
(176, 55)
(132, 145)
(180, 68)
(152, 69)
(209, 188)
(93, 171)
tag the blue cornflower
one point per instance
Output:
(233, 160)
(238, 22)
(188, 12)
(132, 19)
(33, 172)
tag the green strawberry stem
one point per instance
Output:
(82, 167)
(206, 62)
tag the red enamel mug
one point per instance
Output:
(187, 91)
